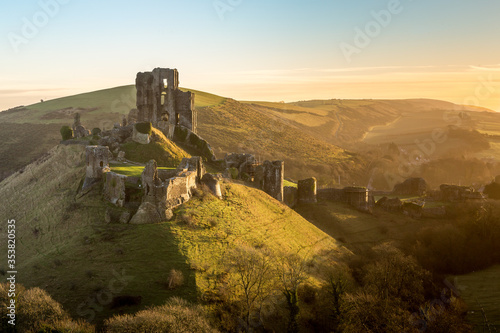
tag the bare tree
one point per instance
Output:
(252, 279)
(291, 271)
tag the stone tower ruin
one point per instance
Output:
(161, 102)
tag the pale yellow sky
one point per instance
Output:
(471, 85)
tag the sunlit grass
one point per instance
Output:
(132, 170)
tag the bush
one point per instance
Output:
(96, 131)
(66, 133)
(144, 128)
(177, 315)
(37, 312)
(175, 279)
(234, 173)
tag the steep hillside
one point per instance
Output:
(65, 246)
(236, 127)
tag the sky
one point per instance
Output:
(273, 50)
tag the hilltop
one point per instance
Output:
(67, 247)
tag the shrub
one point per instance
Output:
(188, 220)
(37, 312)
(175, 279)
(144, 128)
(66, 133)
(234, 173)
(67, 325)
(96, 131)
(177, 315)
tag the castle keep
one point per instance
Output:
(161, 102)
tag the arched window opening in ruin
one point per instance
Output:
(177, 119)
(163, 99)
(165, 83)
(164, 117)
(101, 164)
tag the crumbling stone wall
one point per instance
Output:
(307, 190)
(290, 196)
(97, 158)
(114, 188)
(411, 186)
(455, 193)
(79, 131)
(273, 177)
(186, 136)
(162, 194)
(161, 102)
(358, 197)
(97, 162)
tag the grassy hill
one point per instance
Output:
(306, 134)
(65, 246)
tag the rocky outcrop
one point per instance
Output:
(307, 190)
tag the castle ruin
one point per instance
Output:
(161, 102)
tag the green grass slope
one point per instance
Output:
(65, 246)
(165, 152)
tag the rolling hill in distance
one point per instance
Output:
(341, 142)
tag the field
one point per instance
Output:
(481, 292)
